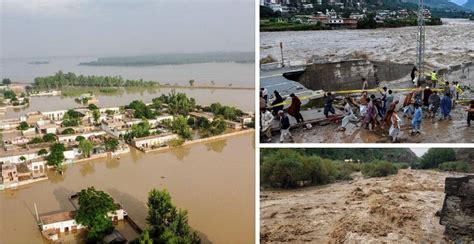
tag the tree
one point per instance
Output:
(86, 147)
(23, 126)
(56, 155)
(435, 156)
(111, 144)
(191, 82)
(94, 206)
(68, 131)
(367, 22)
(92, 106)
(141, 110)
(6, 81)
(145, 238)
(50, 137)
(79, 138)
(42, 152)
(166, 223)
(22, 158)
(96, 115)
(180, 126)
(178, 103)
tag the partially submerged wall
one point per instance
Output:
(458, 208)
(347, 75)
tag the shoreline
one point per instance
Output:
(111, 155)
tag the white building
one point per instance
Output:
(153, 140)
(72, 137)
(55, 115)
(60, 222)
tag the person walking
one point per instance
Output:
(277, 103)
(395, 127)
(446, 106)
(433, 104)
(266, 123)
(407, 110)
(349, 116)
(328, 108)
(417, 117)
(264, 94)
(365, 84)
(413, 74)
(370, 115)
(388, 116)
(295, 107)
(426, 95)
(285, 127)
(470, 113)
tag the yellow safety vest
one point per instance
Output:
(458, 88)
(434, 76)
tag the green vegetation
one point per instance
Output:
(61, 79)
(141, 110)
(166, 223)
(36, 140)
(9, 94)
(379, 169)
(454, 166)
(271, 26)
(56, 156)
(207, 128)
(191, 82)
(141, 129)
(71, 118)
(23, 126)
(178, 58)
(368, 22)
(86, 147)
(68, 131)
(92, 107)
(96, 115)
(229, 113)
(178, 103)
(42, 152)
(179, 125)
(111, 144)
(288, 168)
(400, 155)
(94, 206)
(436, 156)
(50, 137)
(6, 81)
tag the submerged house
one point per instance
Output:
(154, 140)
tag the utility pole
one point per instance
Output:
(281, 50)
(421, 40)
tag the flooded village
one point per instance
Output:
(86, 134)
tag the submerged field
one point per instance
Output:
(397, 208)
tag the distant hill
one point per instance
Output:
(174, 59)
(396, 155)
(440, 4)
(469, 5)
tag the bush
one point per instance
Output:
(403, 166)
(379, 169)
(176, 142)
(454, 166)
(288, 168)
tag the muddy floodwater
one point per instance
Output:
(448, 44)
(396, 209)
(242, 99)
(213, 181)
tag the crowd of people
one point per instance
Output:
(376, 110)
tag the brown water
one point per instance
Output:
(242, 99)
(213, 181)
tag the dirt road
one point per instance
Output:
(398, 208)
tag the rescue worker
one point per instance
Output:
(434, 78)
(328, 108)
(294, 109)
(285, 127)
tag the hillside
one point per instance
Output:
(469, 5)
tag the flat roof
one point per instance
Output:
(59, 217)
(153, 136)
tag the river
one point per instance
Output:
(213, 181)
(19, 70)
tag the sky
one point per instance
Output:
(459, 2)
(33, 28)
(419, 151)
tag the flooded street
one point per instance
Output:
(449, 44)
(398, 208)
(213, 181)
(242, 99)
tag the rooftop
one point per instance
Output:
(153, 136)
(59, 217)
